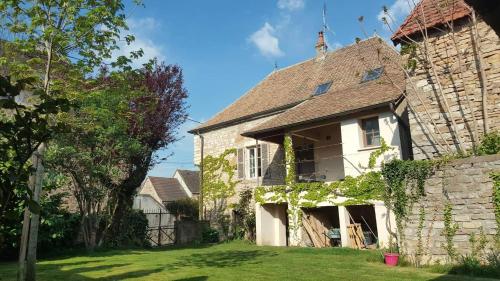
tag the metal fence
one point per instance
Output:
(161, 227)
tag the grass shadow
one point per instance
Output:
(222, 259)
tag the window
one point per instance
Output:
(304, 157)
(371, 132)
(323, 88)
(254, 162)
(372, 74)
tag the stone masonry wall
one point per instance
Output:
(467, 185)
(455, 87)
(217, 141)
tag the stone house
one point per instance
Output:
(338, 106)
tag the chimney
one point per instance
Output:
(320, 45)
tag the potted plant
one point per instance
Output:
(391, 257)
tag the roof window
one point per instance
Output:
(323, 88)
(372, 74)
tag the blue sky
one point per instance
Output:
(225, 46)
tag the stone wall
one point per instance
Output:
(457, 85)
(217, 141)
(467, 186)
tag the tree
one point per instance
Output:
(46, 34)
(156, 117)
(93, 151)
(121, 120)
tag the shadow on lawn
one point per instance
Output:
(197, 278)
(49, 270)
(221, 259)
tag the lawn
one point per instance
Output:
(227, 261)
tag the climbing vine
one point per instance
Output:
(405, 182)
(496, 200)
(218, 185)
(449, 231)
(420, 246)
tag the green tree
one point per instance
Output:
(43, 38)
(93, 152)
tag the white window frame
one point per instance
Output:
(257, 165)
(363, 140)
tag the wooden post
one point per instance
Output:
(31, 222)
(159, 230)
(200, 197)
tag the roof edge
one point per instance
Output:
(245, 118)
(374, 106)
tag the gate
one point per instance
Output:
(161, 227)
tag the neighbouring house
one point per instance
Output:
(155, 192)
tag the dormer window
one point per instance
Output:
(323, 88)
(372, 74)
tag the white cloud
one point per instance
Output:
(291, 5)
(143, 29)
(398, 11)
(266, 41)
(143, 23)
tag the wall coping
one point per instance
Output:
(474, 160)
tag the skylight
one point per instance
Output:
(323, 88)
(372, 74)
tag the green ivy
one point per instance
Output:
(420, 246)
(405, 182)
(496, 199)
(449, 231)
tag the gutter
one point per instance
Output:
(379, 105)
(245, 118)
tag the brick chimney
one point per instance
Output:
(321, 45)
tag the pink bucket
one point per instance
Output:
(391, 259)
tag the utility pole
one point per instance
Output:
(200, 198)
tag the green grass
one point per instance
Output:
(228, 261)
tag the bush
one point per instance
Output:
(490, 144)
(210, 235)
(244, 217)
(58, 227)
(133, 231)
(184, 208)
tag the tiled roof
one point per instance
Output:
(168, 189)
(357, 97)
(431, 13)
(285, 88)
(192, 179)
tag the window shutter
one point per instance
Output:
(241, 164)
(266, 172)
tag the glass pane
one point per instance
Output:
(252, 162)
(259, 163)
(323, 88)
(372, 74)
(371, 131)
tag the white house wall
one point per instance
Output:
(355, 154)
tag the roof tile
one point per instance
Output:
(431, 13)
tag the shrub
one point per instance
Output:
(133, 231)
(187, 208)
(210, 235)
(58, 227)
(244, 217)
(490, 144)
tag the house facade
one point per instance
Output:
(337, 108)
